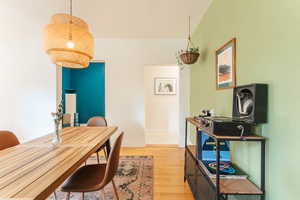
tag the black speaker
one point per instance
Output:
(250, 103)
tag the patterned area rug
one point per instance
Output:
(134, 181)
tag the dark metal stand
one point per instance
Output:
(263, 168)
(201, 185)
(218, 169)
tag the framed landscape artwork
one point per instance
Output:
(226, 65)
(165, 86)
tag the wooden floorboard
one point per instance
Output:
(168, 171)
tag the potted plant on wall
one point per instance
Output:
(189, 55)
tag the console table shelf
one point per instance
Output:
(238, 187)
(235, 186)
(203, 185)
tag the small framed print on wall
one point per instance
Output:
(165, 86)
(226, 65)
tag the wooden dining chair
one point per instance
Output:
(8, 139)
(95, 177)
(100, 121)
(97, 121)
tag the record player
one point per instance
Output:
(250, 104)
(225, 126)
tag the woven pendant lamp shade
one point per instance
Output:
(57, 35)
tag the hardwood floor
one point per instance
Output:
(168, 171)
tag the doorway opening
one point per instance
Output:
(162, 94)
(83, 92)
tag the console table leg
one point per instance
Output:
(226, 197)
(185, 147)
(218, 170)
(263, 169)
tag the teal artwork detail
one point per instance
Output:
(89, 86)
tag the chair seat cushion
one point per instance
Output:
(86, 179)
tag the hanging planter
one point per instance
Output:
(190, 55)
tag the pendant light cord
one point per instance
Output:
(189, 28)
(190, 44)
(71, 20)
(71, 10)
(189, 37)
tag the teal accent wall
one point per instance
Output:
(89, 84)
(268, 41)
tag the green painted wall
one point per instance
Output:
(268, 51)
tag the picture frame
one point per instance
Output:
(226, 65)
(165, 86)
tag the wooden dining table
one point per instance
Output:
(33, 170)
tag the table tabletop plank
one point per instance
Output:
(33, 170)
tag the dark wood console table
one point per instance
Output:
(206, 187)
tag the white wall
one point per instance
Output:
(125, 60)
(161, 111)
(27, 78)
(184, 102)
(27, 89)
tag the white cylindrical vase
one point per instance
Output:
(71, 106)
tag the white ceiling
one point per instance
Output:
(113, 18)
(140, 18)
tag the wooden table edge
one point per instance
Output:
(53, 186)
